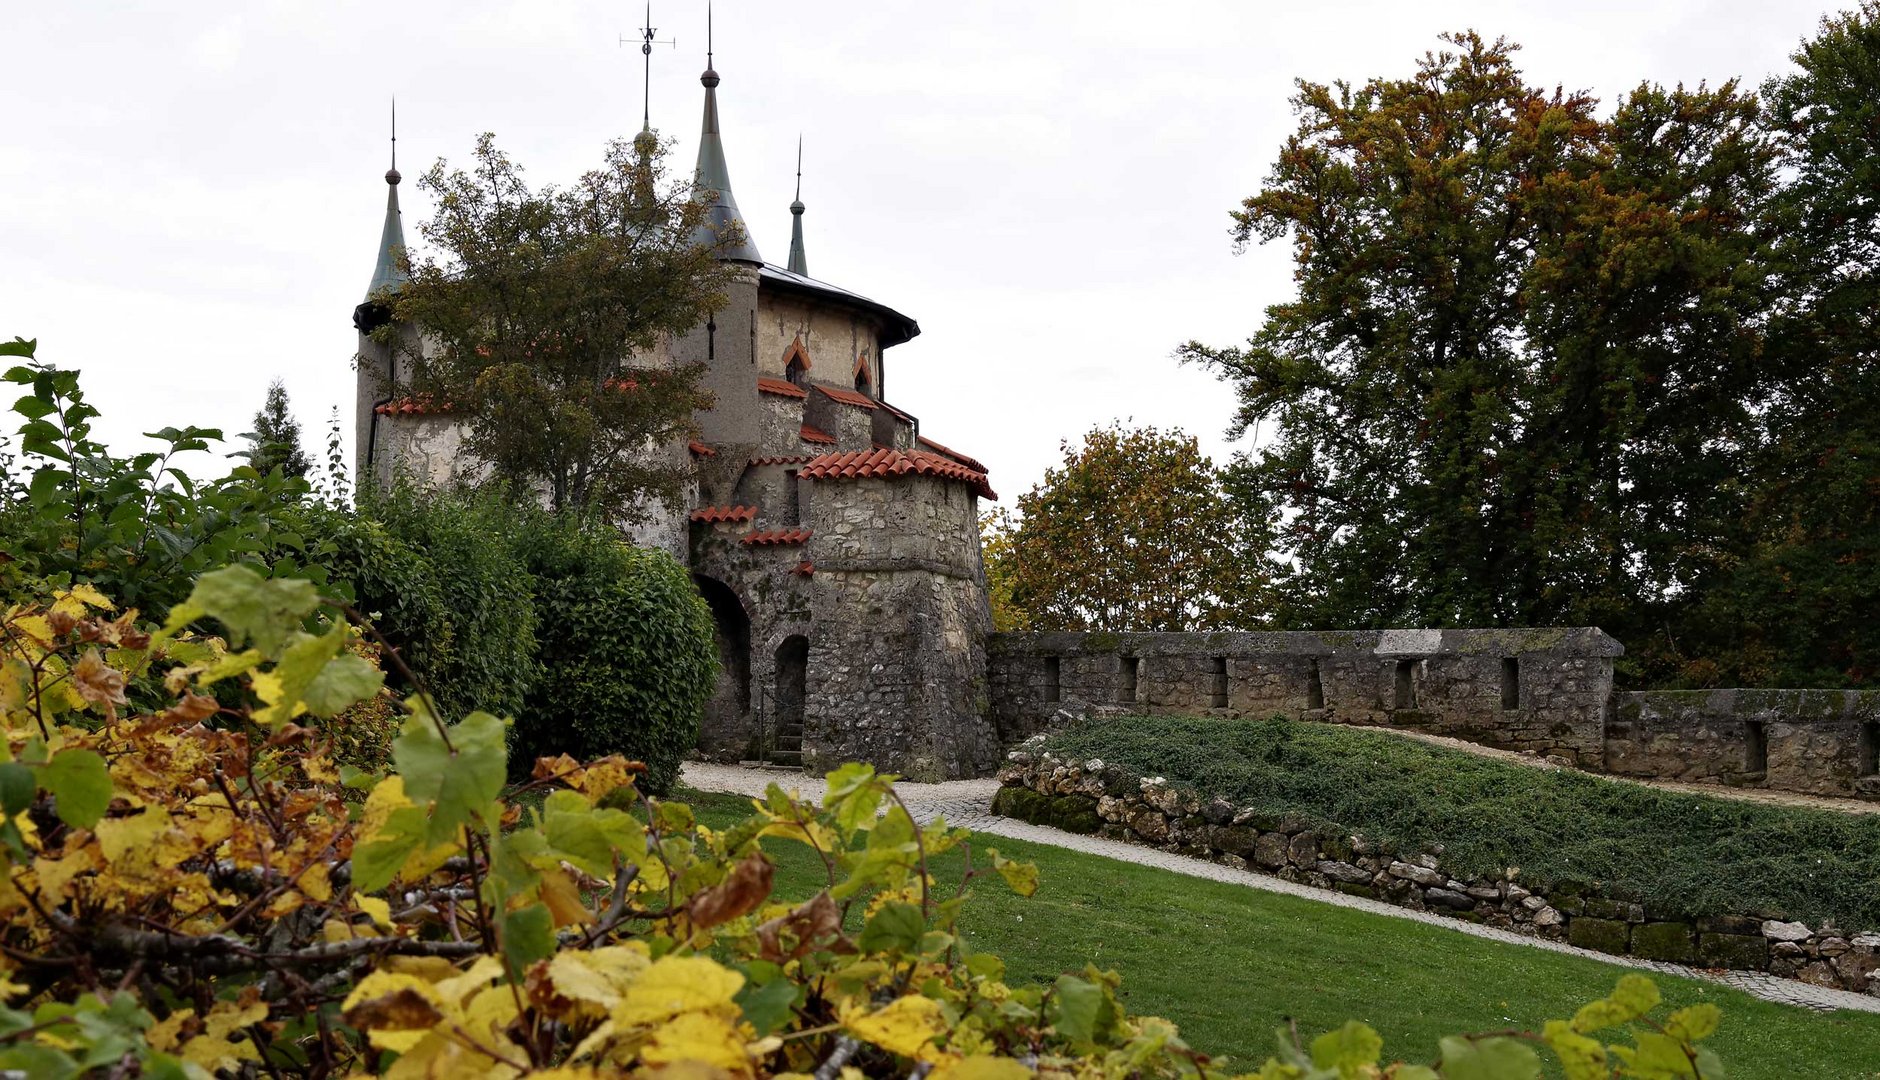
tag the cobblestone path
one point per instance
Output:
(968, 803)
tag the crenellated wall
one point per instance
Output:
(1544, 691)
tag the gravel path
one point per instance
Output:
(968, 803)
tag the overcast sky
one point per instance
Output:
(191, 193)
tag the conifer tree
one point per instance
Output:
(275, 441)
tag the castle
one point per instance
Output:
(836, 545)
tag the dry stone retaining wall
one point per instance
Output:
(1088, 797)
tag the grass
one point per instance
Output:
(1680, 854)
(1229, 964)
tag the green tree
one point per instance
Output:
(1799, 607)
(1130, 532)
(275, 441)
(1514, 384)
(541, 314)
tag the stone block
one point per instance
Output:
(1353, 889)
(1075, 813)
(1411, 872)
(1729, 924)
(1446, 898)
(1733, 951)
(1237, 839)
(1345, 872)
(1777, 930)
(1600, 935)
(1270, 850)
(1670, 941)
(1304, 850)
(1148, 823)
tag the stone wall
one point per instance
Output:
(1089, 797)
(1823, 742)
(1544, 691)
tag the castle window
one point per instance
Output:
(1132, 667)
(1406, 697)
(1870, 748)
(1510, 683)
(1217, 698)
(1315, 688)
(796, 363)
(864, 381)
(1755, 747)
(1053, 679)
(792, 499)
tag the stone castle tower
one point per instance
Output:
(837, 545)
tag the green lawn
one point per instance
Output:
(1229, 963)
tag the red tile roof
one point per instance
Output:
(891, 464)
(782, 459)
(409, 406)
(701, 449)
(848, 397)
(715, 514)
(780, 387)
(804, 569)
(897, 412)
(771, 537)
(816, 435)
(971, 463)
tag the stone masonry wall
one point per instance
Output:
(1088, 797)
(897, 651)
(1544, 691)
(1822, 742)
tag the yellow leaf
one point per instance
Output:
(696, 1036)
(315, 883)
(395, 1010)
(904, 1026)
(982, 1067)
(213, 1049)
(475, 978)
(563, 899)
(675, 984)
(162, 1035)
(379, 910)
(75, 600)
(56, 874)
(598, 976)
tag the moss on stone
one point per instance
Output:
(1600, 935)
(1664, 941)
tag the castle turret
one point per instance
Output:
(376, 362)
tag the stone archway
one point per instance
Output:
(792, 679)
(725, 729)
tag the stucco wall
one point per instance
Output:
(833, 336)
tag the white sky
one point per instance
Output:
(191, 193)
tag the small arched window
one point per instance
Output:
(864, 381)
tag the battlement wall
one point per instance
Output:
(1545, 691)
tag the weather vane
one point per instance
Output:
(647, 40)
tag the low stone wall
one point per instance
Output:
(1821, 742)
(1088, 797)
(1544, 690)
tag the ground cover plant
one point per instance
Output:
(1229, 964)
(1683, 854)
(187, 889)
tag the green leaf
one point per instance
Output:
(17, 787)
(19, 346)
(376, 861)
(1351, 1049)
(1076, 1008)
(342, 683)
(896, 927)
(1633, 997)
(1498, 1058)
(767, 1007)
(1022, 877)
(458, 781)
(1694, 1023)
(528, 936)
(253, 608)
(1581, 1058)
(81, 783)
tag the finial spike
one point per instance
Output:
(799, 166)
(708, 33)
(394, 132)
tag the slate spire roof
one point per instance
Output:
(387, 274)
(798, 263)
(714, 176)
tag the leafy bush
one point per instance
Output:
(626, 649)
(1684, 854)
(440, 578)
(140, 528)
(185, 893)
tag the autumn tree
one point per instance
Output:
(541, 317)
(1798, 608)
(275, 441)
(1129, 532)
(1515, 384)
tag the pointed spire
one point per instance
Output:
(714, 175)
(798, 263)
(388, 274)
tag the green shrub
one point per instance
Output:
(438, 575)
(626, 650)
(1681, 854)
